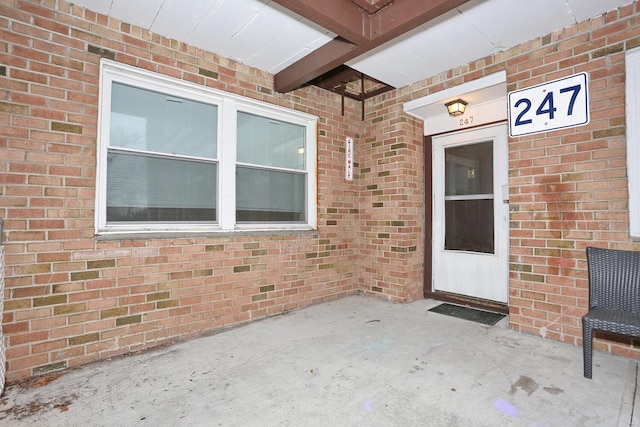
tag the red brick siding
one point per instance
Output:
(568, 188)
(70, 298)
(392, 203)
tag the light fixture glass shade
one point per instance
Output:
(455, 108)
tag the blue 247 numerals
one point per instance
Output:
(547, 106)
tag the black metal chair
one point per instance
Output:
(614, 297)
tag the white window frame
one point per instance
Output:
(228, 106)
(632, 58)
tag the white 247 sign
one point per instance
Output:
(549, 106)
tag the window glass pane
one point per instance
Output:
(151, 121)
(270, 196)
(152, 189)
(269, 142)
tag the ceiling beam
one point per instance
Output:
(342, 17)
(390, 22)
(371, 6)
(405, 15)
(318, 62)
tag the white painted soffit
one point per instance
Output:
(487, 103)
(265, 35)
(474, 30)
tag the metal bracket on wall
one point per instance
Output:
(350, 83)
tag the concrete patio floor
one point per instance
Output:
(357, 361)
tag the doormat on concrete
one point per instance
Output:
(466, 313)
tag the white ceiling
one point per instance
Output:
(262, 34)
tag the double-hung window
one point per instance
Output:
(176, 156)
(271, 176)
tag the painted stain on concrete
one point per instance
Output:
(553, 390)
(381, 345)
(506, 408)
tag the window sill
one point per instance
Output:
(169, 234)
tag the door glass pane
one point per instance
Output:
(469, 198)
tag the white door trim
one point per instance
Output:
(484, 276)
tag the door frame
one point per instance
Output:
(429, 292)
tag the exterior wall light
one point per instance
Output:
(456, 107)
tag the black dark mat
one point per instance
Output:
(466, 313)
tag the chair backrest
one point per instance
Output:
(614, 278)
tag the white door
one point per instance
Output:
(471, 213)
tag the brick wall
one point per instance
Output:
(392, 203)
(71, 298)
(568, 188)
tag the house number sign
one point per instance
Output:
(553, 105)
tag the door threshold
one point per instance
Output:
(467, 301)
